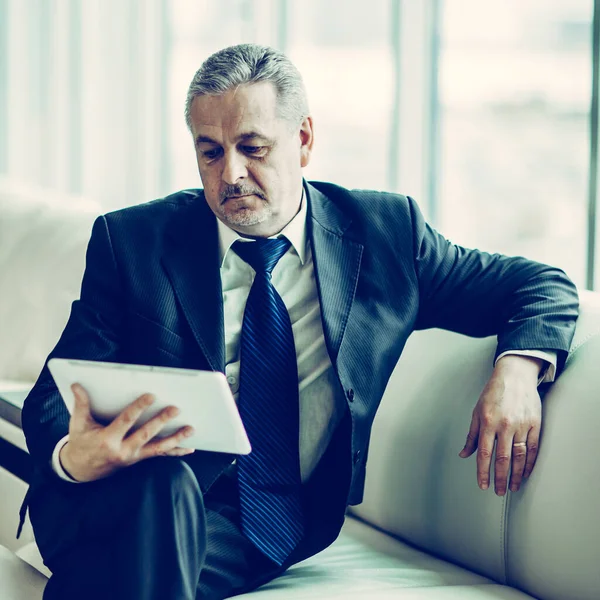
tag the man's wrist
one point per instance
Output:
(525, 366)
(62, 459)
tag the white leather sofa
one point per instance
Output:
(425, 530)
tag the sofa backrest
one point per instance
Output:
(544, 539)
(43, 238)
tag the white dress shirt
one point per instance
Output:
(322, 403)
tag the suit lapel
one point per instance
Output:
(337, 262)
(192, 264)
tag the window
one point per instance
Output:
(342, 50)
(514, 97)
(479, 110)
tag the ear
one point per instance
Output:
(306, 141)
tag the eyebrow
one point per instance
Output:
(254, 135)
(204, 139)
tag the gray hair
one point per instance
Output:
(251, 63)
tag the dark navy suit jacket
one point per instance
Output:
(151, 294)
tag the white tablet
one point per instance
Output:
(203, 398)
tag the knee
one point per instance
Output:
(168, 476)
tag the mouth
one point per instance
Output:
(237, 197)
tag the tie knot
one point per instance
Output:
(263, 254)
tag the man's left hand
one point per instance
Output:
(508, 414)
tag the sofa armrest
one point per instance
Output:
(553, 535)
(18, 580)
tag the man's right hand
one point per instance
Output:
(95, 451)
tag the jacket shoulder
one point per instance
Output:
(372, 208)
(155, 209)
(363, 199)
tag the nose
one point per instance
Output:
(234, 168)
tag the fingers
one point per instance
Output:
(485, 450)
(125, 421)
(81, 417)
(100, 451)
(515, 455)
(533, 443)
(179, 452)
(472, 438)
(519, 457)
(148, 430)
(509, 417)
(505, 452)
(168, 446)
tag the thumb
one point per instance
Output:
(472, 438)
(81, 419)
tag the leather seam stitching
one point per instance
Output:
(583, 342)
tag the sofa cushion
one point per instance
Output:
(417, 487)
(44, 236)
(12, 492)
(19, 581)
(31, 555)
(366, 563)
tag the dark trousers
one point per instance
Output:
(149, 533)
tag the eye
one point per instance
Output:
(212, 153)
(255, 150)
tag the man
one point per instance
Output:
(304, 295)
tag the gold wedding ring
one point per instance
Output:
(520, 444)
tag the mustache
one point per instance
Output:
(240, 190)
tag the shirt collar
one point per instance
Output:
(294, 231)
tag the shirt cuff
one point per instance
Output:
(548, 373)
(56, 465)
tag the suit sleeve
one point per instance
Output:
(92, 333)
(528, 305)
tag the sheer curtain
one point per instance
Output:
(92, 91)
(515, 89)
(82, 96)
(482, 115)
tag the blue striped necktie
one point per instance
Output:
(269, 477)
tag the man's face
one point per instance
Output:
(250, 160)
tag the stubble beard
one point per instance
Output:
(247, 217)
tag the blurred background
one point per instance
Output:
(482, 111)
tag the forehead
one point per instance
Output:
(250, 107)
